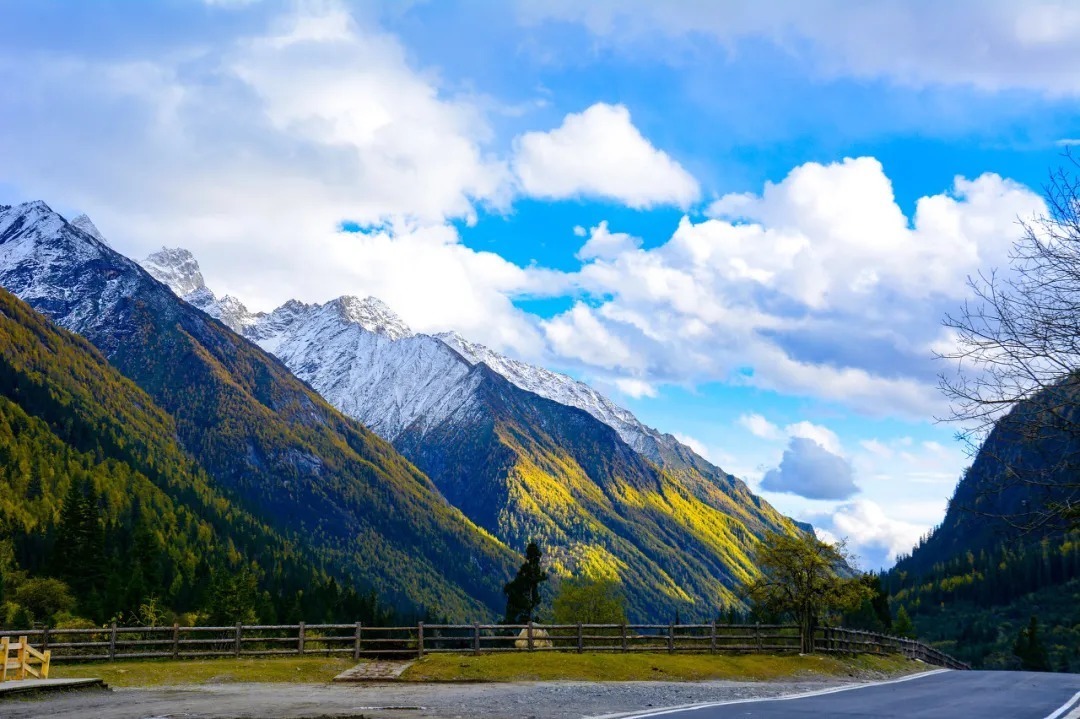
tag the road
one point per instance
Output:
(942, 695)
(955, 695)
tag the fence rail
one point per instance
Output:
(177, 642)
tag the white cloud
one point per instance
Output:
(251, 153)
(820, 286)
(579, 334)
(988, 44)
(874, 537)
(694, 444)
(599, 153)
(635, 388)
(604, 244)
(760, 427)
(821, 435)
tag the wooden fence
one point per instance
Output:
(178, 642)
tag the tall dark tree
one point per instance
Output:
(1030, 649)
(523, 591)
(80, 551)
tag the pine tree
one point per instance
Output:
(523, 591)
(903, 626)
(1030, 650)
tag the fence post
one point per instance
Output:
(580, 638)
(530, 633)
(419, 640)
(356, 642)
(20, 657)
(757, 635)
(476, 638)
(45, 639)
(112, 641)
(239, 629)
(176, 640)
(624, 647)
(712, 637)
(671, 637)
(300, 639)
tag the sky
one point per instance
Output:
(744, 221)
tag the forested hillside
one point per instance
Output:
(530, 469)
(96, 493)
(264, 438)
(975, 582)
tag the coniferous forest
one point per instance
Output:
(104, 517)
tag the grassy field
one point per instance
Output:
(497, 668)
(152, 672)
(638, 667)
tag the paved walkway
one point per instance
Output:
(374, 671)
(47, 685)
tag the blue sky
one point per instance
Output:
(744, 221)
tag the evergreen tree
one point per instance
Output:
(1030, 650)
(903, 626)
(523, 591)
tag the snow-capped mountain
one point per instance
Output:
(367, 362)
(518, 464)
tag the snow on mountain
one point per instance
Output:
(366, 361)
(177, 268)
(562, 389)
(42, 262)
(83, 223)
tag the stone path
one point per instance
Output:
(374, 671)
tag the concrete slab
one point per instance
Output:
(30, 686)
(376, 671)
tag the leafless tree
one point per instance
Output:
(1016, 386)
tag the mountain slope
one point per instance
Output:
(526, 453)
(974, 582)
(275, 445)
(69, 422)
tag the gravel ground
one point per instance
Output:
(519, 700)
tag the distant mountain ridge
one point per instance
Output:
(271, 443)
(527, 453)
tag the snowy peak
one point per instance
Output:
(177, 268)
(373, 315)
(562, 389)
(82, 222)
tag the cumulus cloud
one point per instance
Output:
(251, 152)
(875, 538)
(819, 286)
(988, 44)
(758, 426)
(600, 153)
(811, 471)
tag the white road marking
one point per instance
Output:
(1065, 707)
(781, 698)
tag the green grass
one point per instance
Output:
(542, 666)
(539, 666)
(150, 672)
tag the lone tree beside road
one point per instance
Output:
(801, 577)
(523, 591)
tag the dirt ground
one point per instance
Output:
(517, 700)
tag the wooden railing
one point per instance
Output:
(26, 661)
(178, 642)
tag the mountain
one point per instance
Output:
(269, 442)
(71, 426)
(526, 453)
(975, 581)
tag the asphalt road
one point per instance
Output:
(945, 695)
